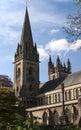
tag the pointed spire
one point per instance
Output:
(50, 61)
(35, 47)
(64, 65)
(58, 61)
(69, 65)
(26, 36)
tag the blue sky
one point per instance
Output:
(47, 18)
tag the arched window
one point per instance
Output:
(80, 92)
(45, 118)
(59, 99)
(55, 98)
(68, 95)
(76, 93)
(18, 73)
(75, 112)
(50, 117)
(50, 99)
(68, 114)
(46, 100)
(55, 117)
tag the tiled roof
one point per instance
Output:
(71, 79)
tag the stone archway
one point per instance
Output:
(45, 118)
(74, 113)
(68, 114)
(55, 118)
(50, 117)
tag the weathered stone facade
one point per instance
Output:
(45, 101)
(53, 109)
(26, 67)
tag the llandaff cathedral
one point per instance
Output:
(56, 101)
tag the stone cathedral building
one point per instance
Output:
(48, 101)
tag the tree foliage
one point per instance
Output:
(9, 112)
(73, 28)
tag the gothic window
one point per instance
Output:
(50, 117)
(46, 100)
(76, 93)
(58, 97)
(45, 118)
(55, 98)
(56, 117)
(80, 92)
(69, 94)
(68, 113)
(41, 101)
(50, 99)
(75, 113)
(18, 73)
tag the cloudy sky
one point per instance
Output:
(47, 18)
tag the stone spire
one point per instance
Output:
(26, 36)
(50, 61)
(25, 48)
(69, 65)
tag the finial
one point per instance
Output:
(50, 58)
(26, 3)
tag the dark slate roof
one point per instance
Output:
(71, 79)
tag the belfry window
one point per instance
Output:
(18, 73)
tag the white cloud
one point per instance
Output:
(42, 53)
(75, 46)
(62, 45)
(58, 46)
(54, 31)
(11, 19)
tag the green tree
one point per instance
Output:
(10, 113)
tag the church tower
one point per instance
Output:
(26, 66)
(59, 70)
